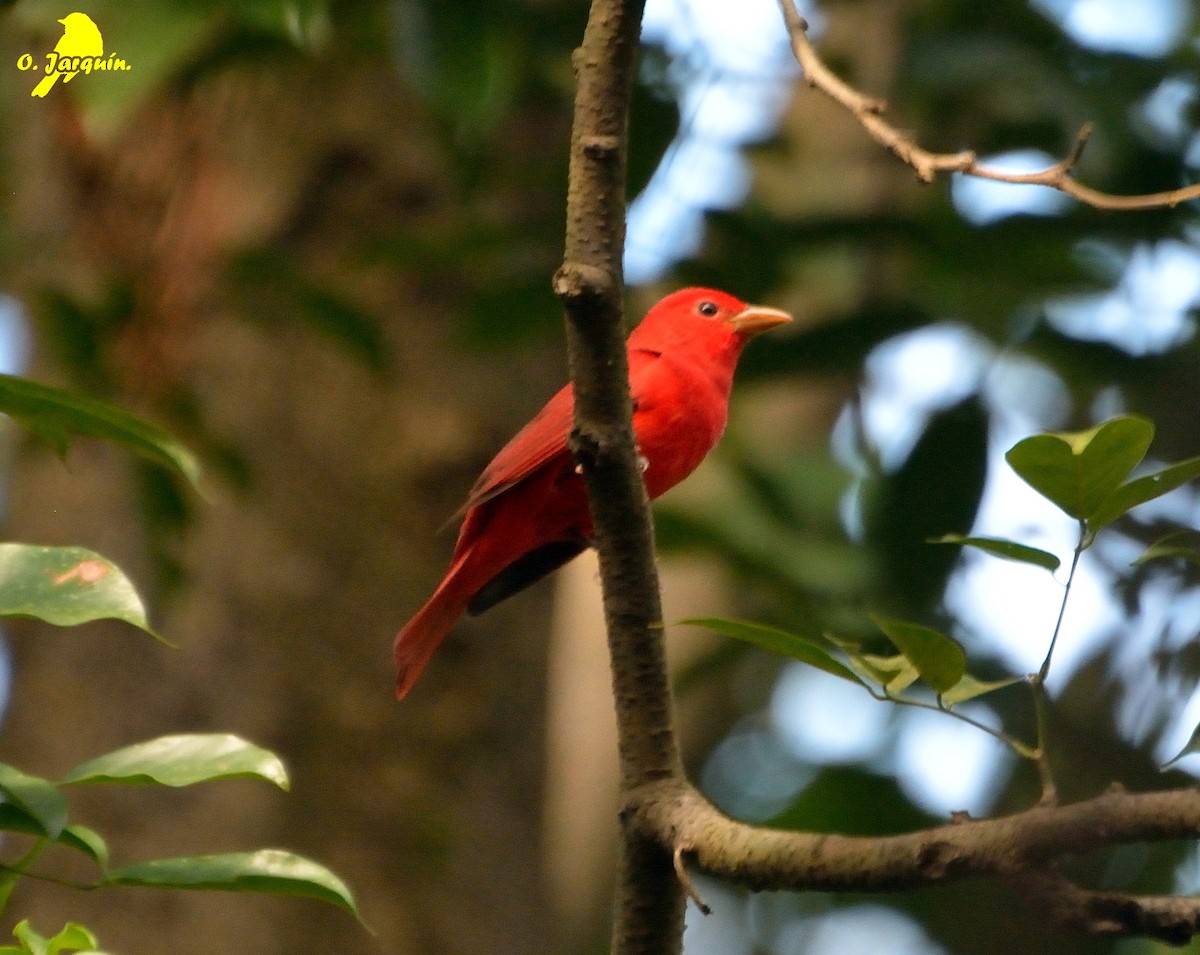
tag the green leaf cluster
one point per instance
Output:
(68, 586)
(1087, 475)
(72, 937)
(924, 655)
(38, 807)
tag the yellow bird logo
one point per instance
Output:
(81, 38)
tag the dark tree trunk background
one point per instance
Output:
(296, 583)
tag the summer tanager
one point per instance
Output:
(527, 515)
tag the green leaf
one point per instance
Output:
(77, 837)
(39, 798)
(182, 760)
(893, 674)
(1006, 549)
(1156, 552)
(851, 801)
(968, 688)
(15, 819)
(1078, 470)
(939, 659)
(267, 870)
(777, 641)
(1146, 488)
(86, 840)
(66, 586)
(30, 940)
(55, 414)
(71, 938)
(905, 674)
(1172, 546)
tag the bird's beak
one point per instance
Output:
(755, 319)
(63, 21)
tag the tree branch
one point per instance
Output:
(650, 902)
(869, 113)
(1020, 848)
(589, 284)
(666, 822)
(1174, 920)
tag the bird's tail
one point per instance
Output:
(420, 637)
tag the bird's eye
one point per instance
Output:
(707, 309)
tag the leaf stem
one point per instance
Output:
(10, 872)
(1020, 748)
(1037, 681)
(1040, 759)
(1040, 678)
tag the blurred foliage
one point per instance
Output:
(70, 586)
(994, 79)
(492, 83)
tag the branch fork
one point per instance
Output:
(1023, 850)
(665, 821)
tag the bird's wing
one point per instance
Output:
(531, 447)
(641, 365)
(544, 437)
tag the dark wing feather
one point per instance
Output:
(544, 437)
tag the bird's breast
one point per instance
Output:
(679, 418)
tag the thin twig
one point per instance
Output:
(1018, 747)
(1044, 669)
(1041, 758)
(681, 873)
(869, 113)
(1037, 681)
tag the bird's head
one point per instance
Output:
(77, 20)
(708, 315)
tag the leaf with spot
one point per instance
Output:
(67, 586)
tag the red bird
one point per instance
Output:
(527, 515)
